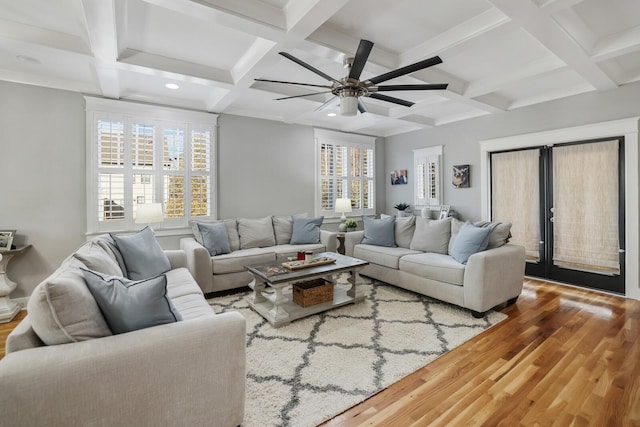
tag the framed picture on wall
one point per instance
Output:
(399, 176)
(461, 176)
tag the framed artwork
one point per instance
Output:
(444, 211)
(6, 239)
(399, 176)
(461, 176)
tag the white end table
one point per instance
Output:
(8, 308)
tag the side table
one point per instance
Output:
(341, 248)
(8, 308)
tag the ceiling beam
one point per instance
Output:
(549, 34)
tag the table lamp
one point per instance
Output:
(342, 206)
(149, 213)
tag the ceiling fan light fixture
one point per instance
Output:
(348, 102)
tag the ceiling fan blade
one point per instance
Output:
(406, 70)
(308, 67)
(293, 83)
(361, 107)
(362, 54)
(439, 86)
(390, 99)
(300, 96)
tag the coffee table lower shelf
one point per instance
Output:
(287, 311)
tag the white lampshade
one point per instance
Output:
(343, 205)
(149, 213)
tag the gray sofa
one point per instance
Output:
(253, 241)
(489, 278)
(64, 367)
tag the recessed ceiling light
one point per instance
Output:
(172, 86)
(331, 114)
(28, 59)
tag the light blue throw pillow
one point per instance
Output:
(129, 305)
(470, 240)
(215, 237)
(379, 232)
(306, 230)
(142, 254)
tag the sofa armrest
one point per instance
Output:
(198, 262)
(493, 276)
(351, 239)
(184, 373)
(329, 239)
(177, 258)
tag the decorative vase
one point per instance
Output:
(401, 214)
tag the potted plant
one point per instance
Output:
(351, 224)
(401, 209)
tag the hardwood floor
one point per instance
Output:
(565, 356)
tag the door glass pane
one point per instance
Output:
(585, 196)
(515, 197)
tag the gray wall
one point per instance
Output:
(42, 178)
(265, 168)
(460, 140)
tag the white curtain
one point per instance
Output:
(585, 193)
(515, 197)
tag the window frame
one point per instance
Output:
(323, 136)
(162, 118)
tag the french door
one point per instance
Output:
(566, 206)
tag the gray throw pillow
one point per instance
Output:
(470, 240)
(306, 230)
(129, 305)
(431, 235)
(143, 256)
(499, 236)
(379, 232)
(256, 233)
(215, 238)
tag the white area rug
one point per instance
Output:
(315, 368)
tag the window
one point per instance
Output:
(147, 154)
(345, 169)
(428, 183)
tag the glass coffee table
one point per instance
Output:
(278, 308)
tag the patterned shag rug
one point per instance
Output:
(315, 368)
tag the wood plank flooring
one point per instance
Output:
(565, 356)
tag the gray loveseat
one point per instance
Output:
(64, 367)
(253, 241)
(421, 262)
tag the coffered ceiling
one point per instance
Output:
(497, 55)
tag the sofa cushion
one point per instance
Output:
(232, 231)
(129, 305)
(62, 309)
(215, 238)
(500, 234)
(431, 235)
(143, 256)
(434, 266)
(380, 232)
(381, 255)
(236, 261)
(282, 228)
(186, 296)
(95, 255)
(404, 228)
(470, 239)
(456, 225)
(306, 230)
(256, 233)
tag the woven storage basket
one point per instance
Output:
(312, 292)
